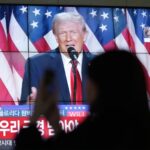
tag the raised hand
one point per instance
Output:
(32, 97)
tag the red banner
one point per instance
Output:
(10, 126)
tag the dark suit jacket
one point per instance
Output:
(37, 65)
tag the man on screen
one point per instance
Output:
(70, 31)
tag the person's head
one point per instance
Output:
(117, 84)
(70, 31)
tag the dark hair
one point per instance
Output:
(120, 79)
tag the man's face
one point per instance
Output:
(69, 34)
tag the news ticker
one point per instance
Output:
(13, 118)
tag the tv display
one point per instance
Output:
(26, 36)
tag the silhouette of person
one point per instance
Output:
(119, 114)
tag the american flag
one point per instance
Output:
(26, 31)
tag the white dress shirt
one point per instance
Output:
(67, 67)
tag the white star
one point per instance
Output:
(105, 15)
(123, 10)
(116, 18)
(144, 14)
(135, 12)
(142, 25)
(60, 7)
(23, 9)
(34, 24)
(5, 13)
(48, 13)
(93, 13)
(103, 27)
(36, 12)
(117, 9)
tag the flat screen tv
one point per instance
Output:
(26, 35)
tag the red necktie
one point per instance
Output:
(76, 85)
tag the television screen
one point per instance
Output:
(29, 45)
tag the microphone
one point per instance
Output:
(73, 54)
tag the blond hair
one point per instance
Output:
(68, 17)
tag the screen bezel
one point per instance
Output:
(100, 3)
